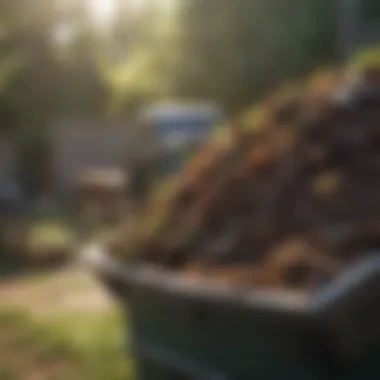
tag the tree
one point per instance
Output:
(236, 50)
(37, 83)
(233, 51)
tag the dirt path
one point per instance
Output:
(68, 290)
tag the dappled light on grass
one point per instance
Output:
(65, 348)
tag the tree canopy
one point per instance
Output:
(54, 60)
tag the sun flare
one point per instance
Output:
(102, 11)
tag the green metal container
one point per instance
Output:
(189, 330)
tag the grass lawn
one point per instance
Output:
(46, 236)
(70, 347)
(60, 324)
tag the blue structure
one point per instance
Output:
(180, 129)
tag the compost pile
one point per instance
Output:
(287, 205)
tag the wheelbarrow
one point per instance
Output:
(189, 330)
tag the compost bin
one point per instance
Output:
(267, 264)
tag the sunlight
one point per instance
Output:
(64, 34)
(102, 11)
(138, 5)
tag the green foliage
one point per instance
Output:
(366, 59)
(233, 56)
(132, 82)
(10, 66)
(37, 81)
(231, 51)
(248, 46)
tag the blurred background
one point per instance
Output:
(102, 101)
